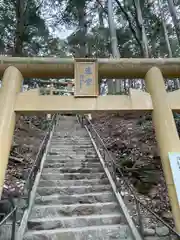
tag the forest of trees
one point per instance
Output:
(101, 28)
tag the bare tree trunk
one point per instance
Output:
(83, 30)
(101, 25)
(114, 42)
(129, 19)
(139, 21)
(175, 19)
(100, 13)
(165, 29)
(142, 32)
(176, 81)
(20, 11)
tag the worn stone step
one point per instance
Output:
(66, 147)
(71, 140)
(75, 136)
(72, 151)
(83, 150)
(72, 132)
(72, 190)
(105, 232)
(80, 169)
(70, 159)
(74, 146)
(40, 211)
(71, 155)
(71, 144)
(68, 183)
(66, 164)
(66, 151)
(81, 134)
(71, 176)
(48, 223)
(94, 197)
(75, 154)
(87, 146)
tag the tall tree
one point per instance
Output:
(75, 14)
(22, 30)
(166, 37)
(112, 29)
(141, 28)
(113, 37)
(20, 24)
(175, 19)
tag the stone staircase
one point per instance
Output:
(74, 199)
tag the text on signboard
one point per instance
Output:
(85, 78)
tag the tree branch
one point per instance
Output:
(128, 18)
(104, 9)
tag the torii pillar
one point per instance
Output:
(166, 133)
(11, 86)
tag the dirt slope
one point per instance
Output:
(131, 140)
(28, 136)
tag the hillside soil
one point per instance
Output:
(131, 141)
(29, 133)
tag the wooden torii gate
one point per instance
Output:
(86, 99)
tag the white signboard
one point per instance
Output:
(174, 158)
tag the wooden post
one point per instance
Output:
(166, 133)
(11, 85)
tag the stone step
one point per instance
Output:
(62, 139)
(58, 164)
(94, 197)
(71, 135)
(75, 139)
(72, 155)
(81, 169)
(69, 183)
(72, 176)
(71, 140)
(105, 232)
(71, 151)
(54, 151)
(63, 159)
(67, 137)
(66, 154)
(71, 144)
(50, 211)
(48, 223)
(85, 149)
(81, 146)
(73, 189)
